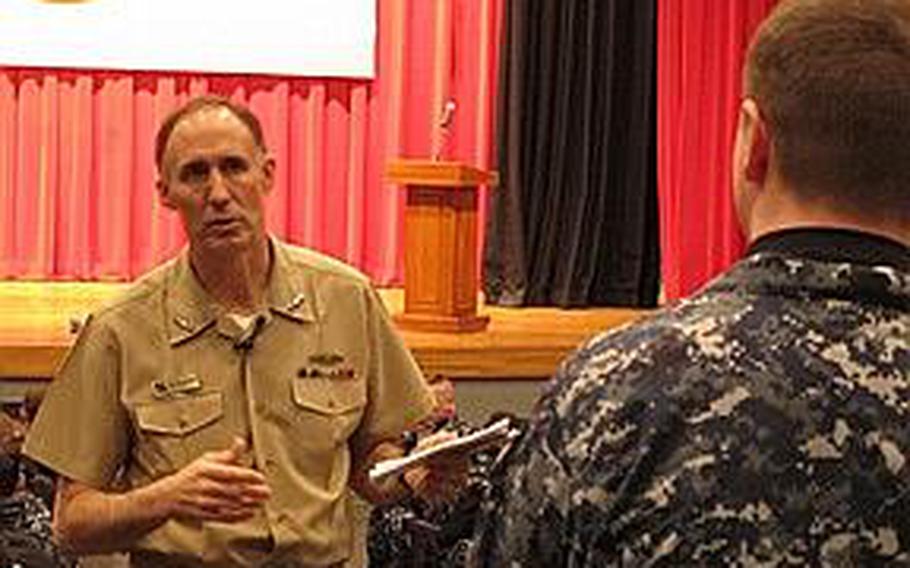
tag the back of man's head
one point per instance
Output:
(832, 81)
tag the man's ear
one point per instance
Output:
(268, 170)
(164, 194)
(756, 144)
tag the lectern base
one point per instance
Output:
(442, 323)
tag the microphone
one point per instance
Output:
(442, 128)
(448, 113)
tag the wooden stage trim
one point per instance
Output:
(519, 342)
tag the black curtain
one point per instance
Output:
(574, 220)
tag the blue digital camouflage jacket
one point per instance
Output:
(764, 422)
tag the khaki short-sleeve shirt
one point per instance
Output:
(162, 375)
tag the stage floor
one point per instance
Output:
(520, 343)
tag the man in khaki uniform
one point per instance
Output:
(218, 411)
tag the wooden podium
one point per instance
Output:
(440, 259)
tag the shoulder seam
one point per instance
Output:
(135, 293)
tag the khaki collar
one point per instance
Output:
(191, 310)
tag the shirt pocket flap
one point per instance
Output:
(179, 416)
(329, 396)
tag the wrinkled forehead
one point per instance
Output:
(209, 132)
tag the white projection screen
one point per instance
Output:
(313, 38)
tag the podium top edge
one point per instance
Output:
(433, 173)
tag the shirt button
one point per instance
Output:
(259, 407)
(269, 463)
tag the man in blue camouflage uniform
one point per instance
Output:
(765, 421)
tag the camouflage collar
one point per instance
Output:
(839, 245)
(797, 276)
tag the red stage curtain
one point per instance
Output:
(700, 49)
(77, 196)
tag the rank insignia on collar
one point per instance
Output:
(296, 302)
(183, 323)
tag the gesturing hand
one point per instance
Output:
(215, 487)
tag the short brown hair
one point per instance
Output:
(832, 79)
(198, 104)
